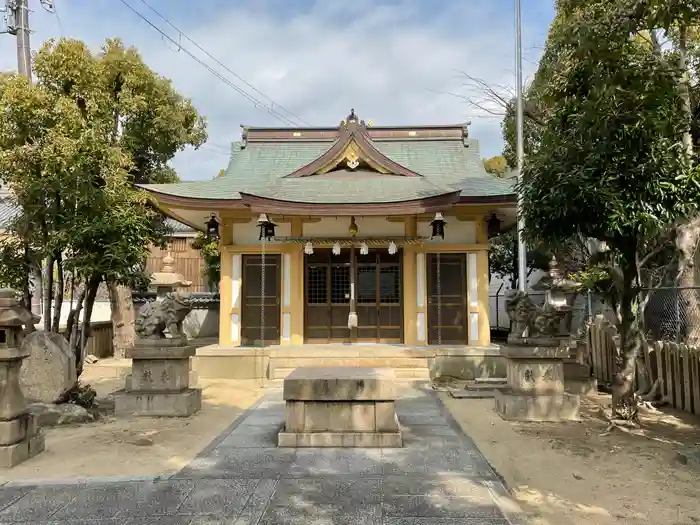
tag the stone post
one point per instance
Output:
(159, 383)
(20, 435)
(535, 366)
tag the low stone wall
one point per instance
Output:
(467, 363)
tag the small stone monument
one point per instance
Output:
(20, 435)
(535, 366)
(159, 383)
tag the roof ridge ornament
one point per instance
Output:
(465, 133)
(352, 149)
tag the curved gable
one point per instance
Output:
(353, 149)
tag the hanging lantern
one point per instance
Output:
(438, 226)
(493, 225)
(308, 248)
(336, 248)
(212, 227)
(353, 229)
(267, 227)
(364, 250)
(392, 248)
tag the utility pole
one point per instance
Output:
(17, 15)
(520, 150)
(18, 25)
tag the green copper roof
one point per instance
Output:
(260, 167)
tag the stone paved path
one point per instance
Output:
(439, 478)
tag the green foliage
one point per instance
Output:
(209, 249)
(503, 257)
(72, 146)
(82, 395)
(497, 166)
(610, 163)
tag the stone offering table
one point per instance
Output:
(159, 383)
(340, 407)
(535, 391)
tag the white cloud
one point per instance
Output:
(385, 61)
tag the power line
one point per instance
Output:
(183, 34)
(257, 103)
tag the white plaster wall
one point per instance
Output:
(455, 231)
(330, 227)
(248, 233)
(101, 311)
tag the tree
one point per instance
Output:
(497, 166)
(610, 164)
(209, 250)
(503, 258)
(149, 123)
(71, 148)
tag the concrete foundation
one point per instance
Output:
(340, 407)
(159, 383)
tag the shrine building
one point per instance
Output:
(350, 234)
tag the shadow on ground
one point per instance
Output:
(438, 478)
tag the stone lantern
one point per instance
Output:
(166, 281)
(20, 436)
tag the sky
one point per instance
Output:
(396, 62)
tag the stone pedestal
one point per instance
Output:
(159, 383)
(535, 379)
(340, 407)
(20, 435)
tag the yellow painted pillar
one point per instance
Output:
(482, 284)
(409, 296)
(296, 306)
(225, 284)
(482, 272)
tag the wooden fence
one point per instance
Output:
(676, 365)
(100, 343)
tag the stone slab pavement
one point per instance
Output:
(242, 478)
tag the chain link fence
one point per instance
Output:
(670, 313)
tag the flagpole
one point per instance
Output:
(520, 151)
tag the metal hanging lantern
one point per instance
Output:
(308, 248)
(493, 225)
(438, 226)
(213, 227)
(353, 229)
(267, 227)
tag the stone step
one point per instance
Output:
(388, 362)
(576, 370)
(279, 373)
(582, 386)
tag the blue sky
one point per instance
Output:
(389, 59)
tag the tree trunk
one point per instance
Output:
(92, 286)
(48, 294)
(688, 234)
(59, 292)
(122, 306)
(624, 404)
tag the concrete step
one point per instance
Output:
(279, 373)
(390, 362)
(576, 370)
